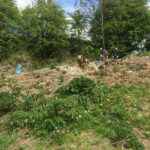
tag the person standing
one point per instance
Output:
(116, 53)
(102, 53)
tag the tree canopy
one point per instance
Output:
(43, 29)
(9, 18)
(126, 24)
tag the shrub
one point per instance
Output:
(53, 63)
(81, 85)
(116, 69)
(18, 119)
(7, 102)
(134, 143)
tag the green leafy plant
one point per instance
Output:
(7, 102)
(116, 69)
(53, 63)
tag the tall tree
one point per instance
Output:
(9, 17)
(45, 29)
(78, 30)
(126, 24)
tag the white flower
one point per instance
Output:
(56, 128)
(108, 100)
(80, 116)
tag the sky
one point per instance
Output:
(68, 5)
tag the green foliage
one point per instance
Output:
(80, 85)
(122, 27)
(20, 119)
(105, 131)
(134, 143)
(80, 105)
(9, 38)
(78, 27)
(7, 140)
(144, 54)
(116, 69)
(46, 26)
(91, 52)
(53, 63)
(7, 102)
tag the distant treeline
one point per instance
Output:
(45, 31)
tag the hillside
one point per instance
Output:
(126, 80)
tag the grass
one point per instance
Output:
(116, 69)
(81, 115)
(144, 54)
(7, 140)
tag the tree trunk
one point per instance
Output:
(103, 33)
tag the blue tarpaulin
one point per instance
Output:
(98, 61)
(18, 71)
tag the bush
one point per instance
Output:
(134, 143)
(80, 85)
(7, 102)
(18, 119)
(53, 63)
(90, 52)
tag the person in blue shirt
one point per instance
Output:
(19, 67)
(116, 53)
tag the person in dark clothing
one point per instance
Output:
(116, 53)
(103, 53)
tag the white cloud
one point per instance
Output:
(23, 3)
(68, 7)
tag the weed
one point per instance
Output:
(140, 66)
(103, 73)
(64, 72)
(7, 102)
(106, 63)
(134, 143)
(124, 72)
(48, 91)
(53, 63)
(37, 75)
(61, 79)
(7, 140)
(116, 69)
(144, 54)
(2, 76)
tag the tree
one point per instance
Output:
(44, 28)
(9, 38)
(126, 24)
(78, 30)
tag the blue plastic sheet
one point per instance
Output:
(98, 61)
(18, 71)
